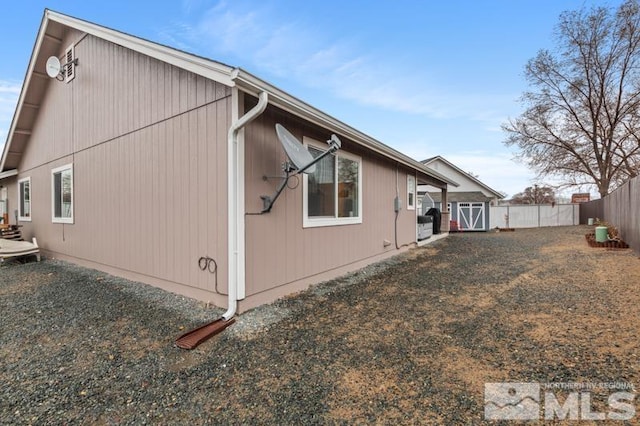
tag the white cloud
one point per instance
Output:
(191, 5)
(9, 92)
(499, 171)
(258, 37)
(174, 36)
(9, 87)
(311, 56)
(227, 30)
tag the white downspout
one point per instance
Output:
(233, 200)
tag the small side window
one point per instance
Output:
(62, 194)
(411, 192)
(24, 203)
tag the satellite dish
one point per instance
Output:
(53, 67)
(301, 161)
(296, 152)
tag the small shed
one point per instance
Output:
(468, 203)
(469, 210)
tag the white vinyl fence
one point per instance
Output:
(535, 216)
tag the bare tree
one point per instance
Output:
(581, 122)
(535, 195)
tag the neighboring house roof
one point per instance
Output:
(461, 197)
(462, 172)
(48, 42)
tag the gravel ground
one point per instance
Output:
(412, 340)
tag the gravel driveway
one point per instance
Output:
(412, 340)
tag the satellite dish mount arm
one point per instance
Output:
(268, 201)
(334, 145)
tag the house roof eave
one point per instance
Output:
(8, 174)
(6, 151)
(462, 172)
(205, 67)
(215, 71)
(283, 100)
(210, 69)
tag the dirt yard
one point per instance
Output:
(410, 341)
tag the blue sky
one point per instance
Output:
(425, 77)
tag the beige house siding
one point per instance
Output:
(148, 146)
(281, 254)
(56, 124)
(145, 128)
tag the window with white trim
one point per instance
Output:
(62, 194)
(24, 201)
(332, 194)
(411, 192)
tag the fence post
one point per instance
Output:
(508, 217)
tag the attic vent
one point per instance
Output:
(70, 69)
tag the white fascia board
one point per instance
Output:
(8, 174)
(463, 173)
(200, 66)
(253, 85)
(222, 74)
(197, 65)
(25, 84)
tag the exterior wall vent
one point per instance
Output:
(70, 70)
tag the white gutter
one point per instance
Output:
(8, 173)
(281, 99)
(234, 202)
(202, 66)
